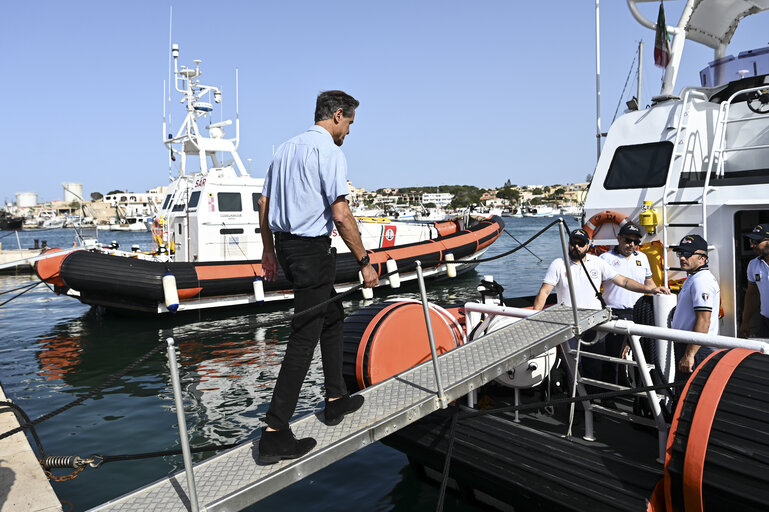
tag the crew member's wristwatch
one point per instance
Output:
(364, 261)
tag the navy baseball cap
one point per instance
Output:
(760, 232)
(630, 229)
(691, 243)
(580, 234)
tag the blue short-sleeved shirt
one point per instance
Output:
(307, 174)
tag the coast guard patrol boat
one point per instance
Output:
(208, 245)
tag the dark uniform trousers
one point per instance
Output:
(310, 264)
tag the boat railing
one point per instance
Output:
(663, 337)
(720, 149)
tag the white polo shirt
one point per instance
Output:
(700, 292)
(636, 267)
(599, 271)
(758, 274)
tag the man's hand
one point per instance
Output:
(659, 289)
(370, 279)
(269, 265)
(686, 364)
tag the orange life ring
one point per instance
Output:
(605, 217)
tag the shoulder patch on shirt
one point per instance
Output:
(637, 263)
(705, 296)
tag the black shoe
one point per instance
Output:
(275, 445)
(336, 409)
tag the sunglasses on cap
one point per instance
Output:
(633, 241)
(577, 243)
(689, 254)
(756, 242)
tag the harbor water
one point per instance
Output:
(55, 349)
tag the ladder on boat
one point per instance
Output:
(683, 150)
(233, 480)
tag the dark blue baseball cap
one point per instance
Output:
(692, 244)
(580, 235)
(630, 229)
(760, 232)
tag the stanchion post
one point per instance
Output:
(193, 494)
(425, 306)
(567, 264)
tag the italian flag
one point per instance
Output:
(661, 41)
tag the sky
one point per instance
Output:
(452, 92)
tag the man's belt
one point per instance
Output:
(282, 235)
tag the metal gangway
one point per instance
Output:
(234, 480)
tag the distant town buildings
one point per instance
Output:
(118, 206)
(439, 199)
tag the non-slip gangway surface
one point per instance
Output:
(234, 480)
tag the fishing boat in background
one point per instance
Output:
(207, 242)
(539, 211)
(10, 222)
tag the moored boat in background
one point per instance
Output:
(207, 239)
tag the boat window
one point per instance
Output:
(123, 199)
(194, 198)
(168, 200)
(229, 201)
(255, 199)
(178, 207)
(231, 231)
(639, 166)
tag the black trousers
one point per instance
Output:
(310, 264)
(763, 332)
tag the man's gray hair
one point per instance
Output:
(329, 102)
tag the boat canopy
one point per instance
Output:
(713, 22)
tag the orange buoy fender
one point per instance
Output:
(605, 217)
(385, 339)
(718, 440)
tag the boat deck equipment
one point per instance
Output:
(233, 480)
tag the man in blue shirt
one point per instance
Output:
(302, 200)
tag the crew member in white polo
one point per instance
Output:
(596, 270)
(626, 259)
(757, 292)
(698, 301)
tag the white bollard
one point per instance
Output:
(170, 293)
(395, 279)
(258, 289)
(451, 268)
(368, 293)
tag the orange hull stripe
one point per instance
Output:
(702, 422)
(188, 293)
(228, 271)
(674, 428)
(380, 257)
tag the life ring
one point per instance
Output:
(605, 217)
